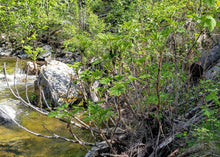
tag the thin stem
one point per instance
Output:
(158, 80)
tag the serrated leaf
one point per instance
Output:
(145, 76)
(210, 23)
(96, 74)
(105, 80)
(96, 61)
(213, 96)
(74, 112)
(61, 115)
(53, 113)
(87, 118)
(119, 77)
(117, 90)
(62, 107)
(132, 78)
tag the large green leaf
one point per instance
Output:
(62, 107)
(117, 90)
(53, 113)
(209, 22)
(105, 80)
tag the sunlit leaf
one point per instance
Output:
(53, 113)
(117, 90)
(62, 107)
(210, 22)
(105, 80)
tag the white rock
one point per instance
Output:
(57, 79)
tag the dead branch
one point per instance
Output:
(77, 139)
(21, 99)
(26, 91)
(190, 151)
(103, 146)
(211, 154)
(174, 153)
(163, 144)
(42, 92)
(117, 104)
(16, 69)
(114, 155)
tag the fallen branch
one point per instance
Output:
(108, 154)
(163, 144)
(44, 112)
(174, 153)
(55, 136)
(190, 151)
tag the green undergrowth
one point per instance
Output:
(139, 51)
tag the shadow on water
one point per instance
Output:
(17, 142)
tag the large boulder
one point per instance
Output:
(57, 82)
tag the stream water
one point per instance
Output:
(17, 142)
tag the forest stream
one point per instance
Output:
(17, 142)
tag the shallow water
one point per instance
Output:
(17, 142)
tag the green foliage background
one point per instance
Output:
(129, 37)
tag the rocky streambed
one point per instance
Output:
(17, 142)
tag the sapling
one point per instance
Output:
(33, 55)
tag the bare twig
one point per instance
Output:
(22, 100)
(106, 140)
(190, 51)
(26, 89)
(42, 111)
(173, 154)
(77, 139)
(158, 80)
(176, 70)
(16, 69)
(117, 103)
(190, 151)
(162, 145)
(42, 92)
(130, 107)
(81, 122)
(114, 155)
